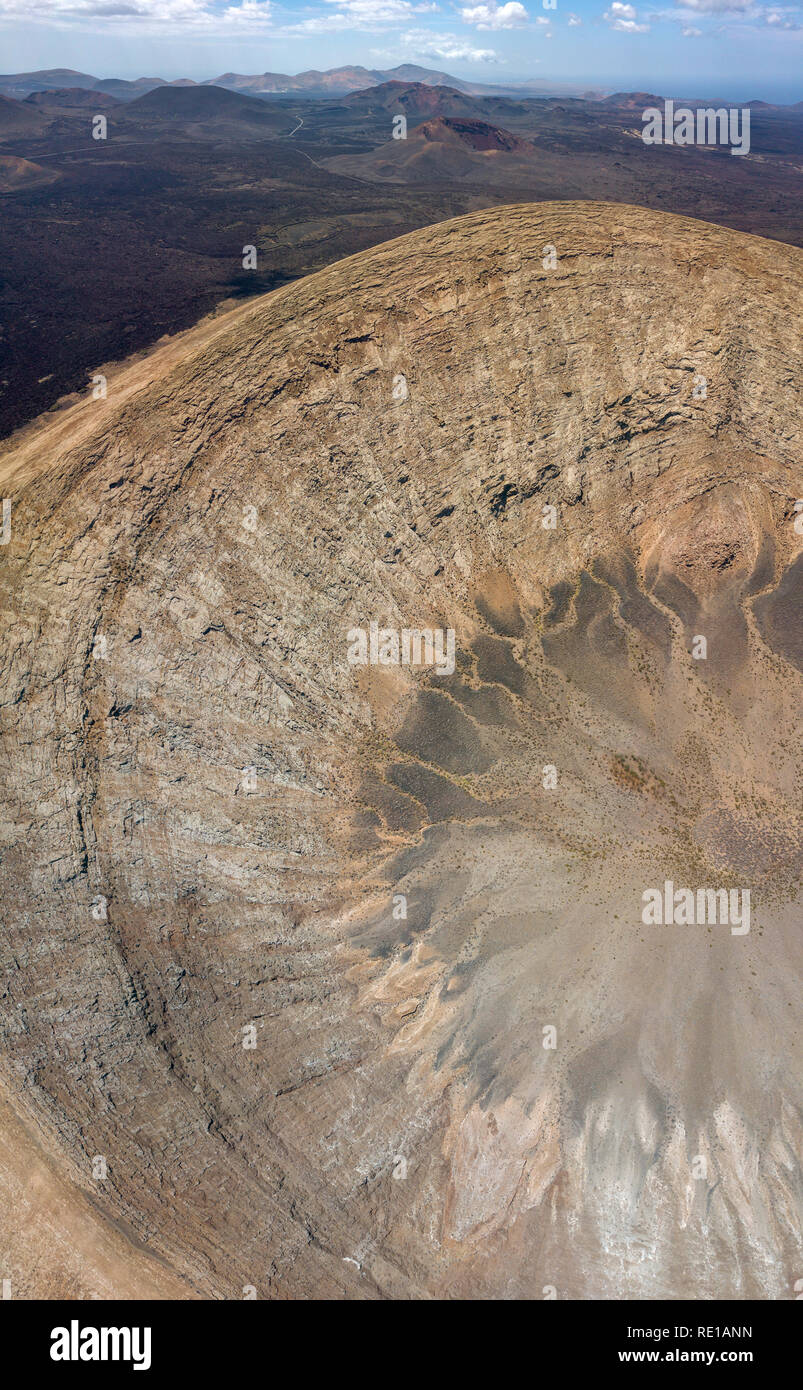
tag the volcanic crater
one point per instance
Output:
(342, 969)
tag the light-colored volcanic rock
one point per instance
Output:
(185, 560)
(18, 173)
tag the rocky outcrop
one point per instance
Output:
(341, 969)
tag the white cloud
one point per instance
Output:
(214, 17)
(623, 18)
(492, 16)
(145, 16)
(381, 11)
(775, 20)
(574, 20)
(354, 15)
(445, 47)
(715, 6)
(249, 12)
(733, 15)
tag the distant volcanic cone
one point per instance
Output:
(477, 135)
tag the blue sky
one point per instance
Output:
(734, 48)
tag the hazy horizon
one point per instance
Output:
(718, 48)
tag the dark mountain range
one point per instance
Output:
(348, 79)
(415, 98)
(196, 101)
(73, 98)
(20, 84)
(334, 82)
(211, 110)
(632, 101)
(18, 118)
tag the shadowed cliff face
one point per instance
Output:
(342, 967)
